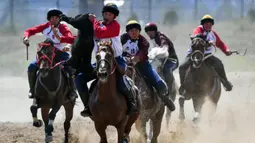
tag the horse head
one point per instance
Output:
(105, 61)
(198, 46)
(45, 56)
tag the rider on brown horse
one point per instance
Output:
(136, 45)
(48, 31)
(161, 40)
(108, 29)
(205, 31)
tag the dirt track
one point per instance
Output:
(234, 121)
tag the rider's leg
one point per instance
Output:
(31, 72)
(63, 57)
(219, 68)
(182, 71)
(157, 82)
(81, 81)
(168, 69)
(125, 88)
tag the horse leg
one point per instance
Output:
(45, 117)
(156, 124)
(197, 104)
(140, 125)
(49, 127)
(120, 129)
(130, 122)
(34, 109)
(69, 115)
(181, 113)
(100, 128)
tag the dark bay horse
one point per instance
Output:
(51, 90)
(152, 107)
(107, 106)
(201, 81)
(158, 64)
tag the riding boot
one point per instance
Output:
(73, 95)
(31, 81)
(85, 99)
(162, 91)
(130, 96)
(221, 72)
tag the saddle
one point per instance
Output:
(148, 84)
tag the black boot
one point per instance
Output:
(164, 96)
(221, 72)
(31, 81)
(73, 95)
(131, 102)
(85, 99)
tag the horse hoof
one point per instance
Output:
(48, 138)
(125, 140)
(182, 117)
(49, 129)
(196, 120)
(38, 123)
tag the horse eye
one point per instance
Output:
(97, 56)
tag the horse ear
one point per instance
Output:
(110, 42)
(191, 37)
(98, 44)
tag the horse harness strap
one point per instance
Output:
(53, 93)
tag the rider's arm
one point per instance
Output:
(106, 31)
(37, 29)
(198, 30)
(67, 34)
(165, 43)
(143, 45)
(220, 44)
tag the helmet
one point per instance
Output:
(53, 12)
(111, 7)
(150, 27)
(207, 18)
(133, 24)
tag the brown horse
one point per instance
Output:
(201, 80)
(152, 108)
(107, 106)
(51, 90)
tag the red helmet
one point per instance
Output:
(150, 27)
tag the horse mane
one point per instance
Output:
(106, 44)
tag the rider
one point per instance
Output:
(48, 29)
(136, 45)
(161, 40)
(108, 29)
(205, 29)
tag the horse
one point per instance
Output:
(108, 107)
(158, 58)
(51, 91)
(201, 80)
(152, 107)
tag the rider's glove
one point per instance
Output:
(228, 53)
(26, 41)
